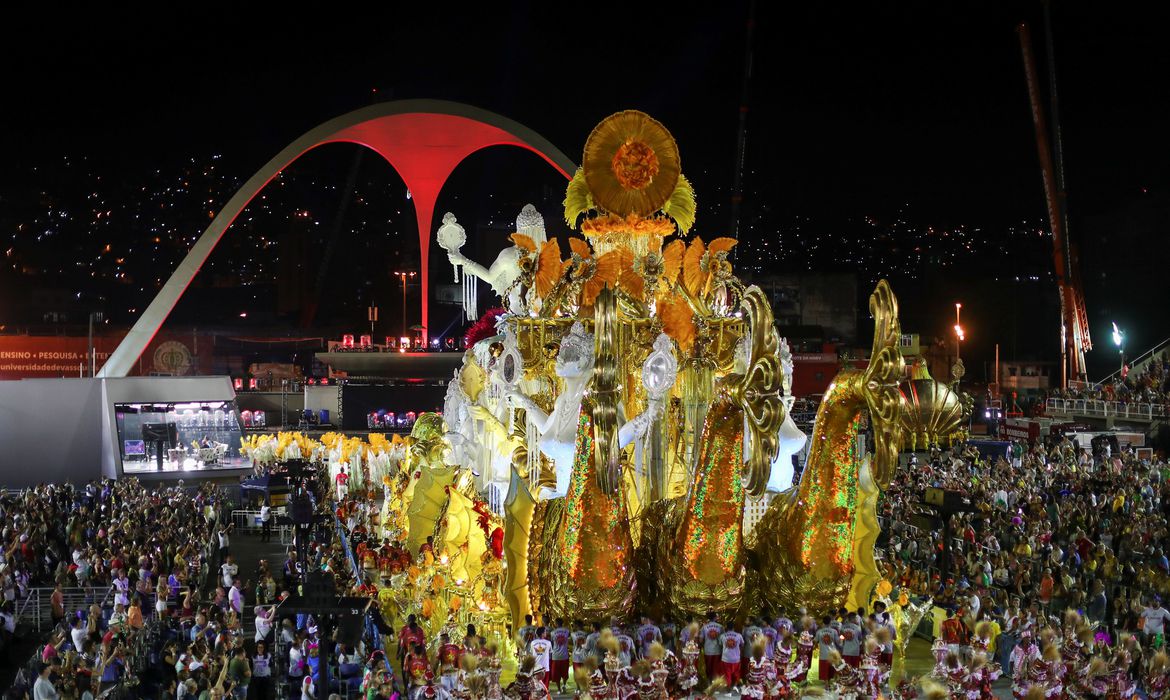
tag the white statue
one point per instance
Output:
(460, 429)
(505, 271)
(558, 430)
(791, 438)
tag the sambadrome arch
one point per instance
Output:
(423, 140)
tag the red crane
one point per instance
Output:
(1074, 321)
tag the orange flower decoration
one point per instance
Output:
(632, 224)
(634, 165)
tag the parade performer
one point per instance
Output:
(847, 682)
(1157, 677)
(688, 676)
(664, 667)
(1023, 658)
(786, 671)
(594, 679)
(559, 658)
(939, 650)
(757, 683)
(953, 675)
(580, 650)
(869, 668)
(980, 677)
(731, 657)
(712, 649)
(647, 687)
(489, 666)
(804, 647)
(885, 660)
(448, 660)
(525, 686)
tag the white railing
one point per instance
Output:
(249, 520)
(1097, 408)
(36, 609)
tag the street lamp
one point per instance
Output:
(1119, 341)
(404, 276)
(959, 336)
(957, 370)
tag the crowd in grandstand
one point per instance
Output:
(1051, 528)
(1150, 384)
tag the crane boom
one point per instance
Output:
(1074, 328)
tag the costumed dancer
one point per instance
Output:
(847, 682)
(1023, 658)
(688, 676)
(907, 689)
(869, 669)
(1157, 677)
(980, 677)
(595, 681)
(1073, 648)
(953, 675)
(804, 647)
(786, 671)
(663, 667)
(1048, 672)
(885, 660)
(939, 650)
(1122, 662)
(647, 687)
(757, 684)
(982, 639)
(525, 685)
(489, 665)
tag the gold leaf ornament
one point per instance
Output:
(761, 391)
(631, 166)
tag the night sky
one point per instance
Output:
(856, 110)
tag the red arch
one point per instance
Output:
(425, 149)
(423, 140)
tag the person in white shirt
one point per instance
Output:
(122, 589)
(229, 569)
(1154, 619)
(224, 541)
(541, 650)
(236, 597)
(77, 634)
(263, 622)
(43, 689)
(265, 522)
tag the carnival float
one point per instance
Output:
(610, 423)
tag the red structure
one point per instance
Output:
(423, 140)
(425, 148)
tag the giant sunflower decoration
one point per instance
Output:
(630, 173)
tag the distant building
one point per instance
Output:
(1026, 376)
(817, 308)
